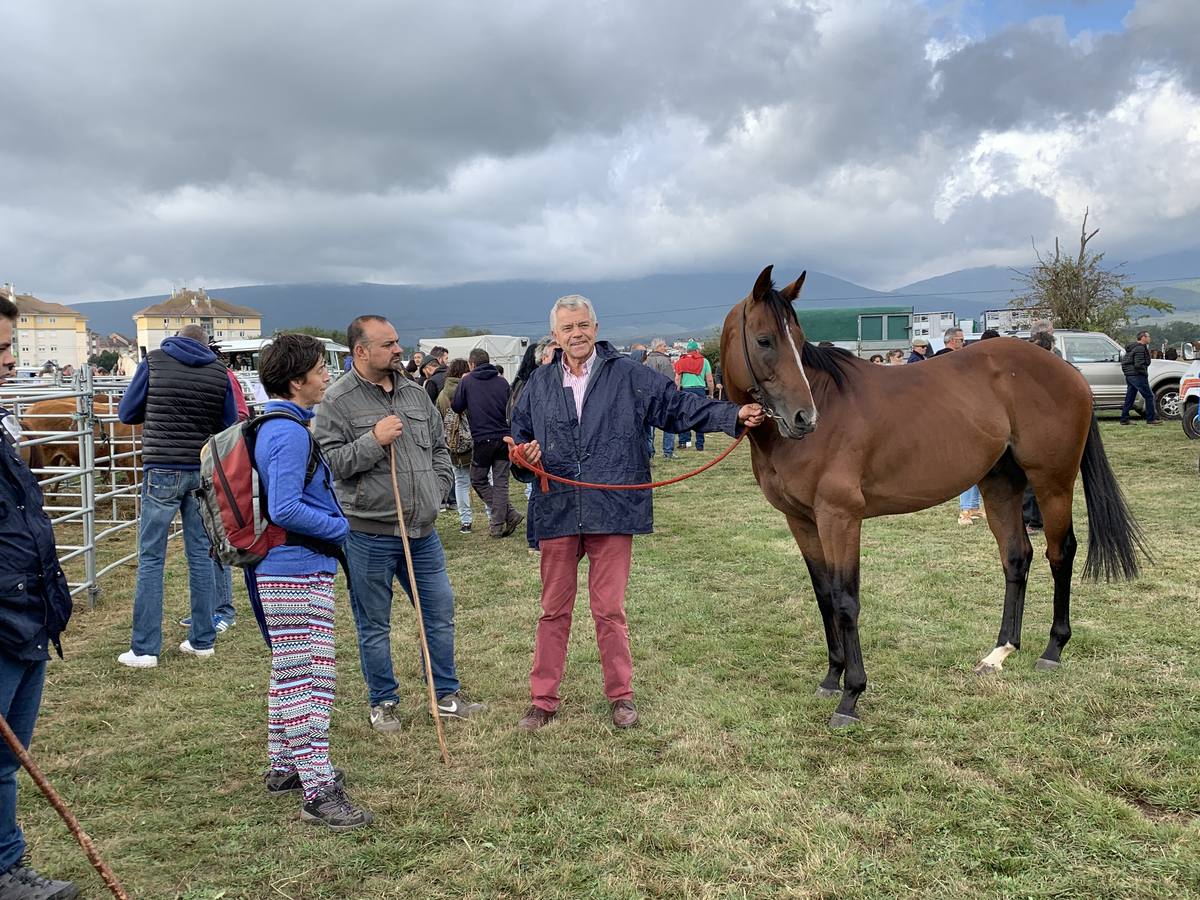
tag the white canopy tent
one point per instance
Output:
(503, 349)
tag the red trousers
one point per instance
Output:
(609, 556)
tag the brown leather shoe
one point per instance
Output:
(535, 717)
(624, 714)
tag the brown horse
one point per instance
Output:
(850, 444)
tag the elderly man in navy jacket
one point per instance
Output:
(584, 417)
(35, 609)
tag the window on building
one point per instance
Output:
(241, 321)
(24, 320)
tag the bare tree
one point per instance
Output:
(1079, 292)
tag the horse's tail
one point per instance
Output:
(1114, 538)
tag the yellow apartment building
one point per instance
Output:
(48, 332)
(220, 319)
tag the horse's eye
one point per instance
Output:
(764, 342)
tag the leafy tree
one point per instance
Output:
(332, 333)
(462, 331)
(106, 359)
(712, 348)
(1165, 333)
(1079, 292)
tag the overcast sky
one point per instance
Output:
(225, 143)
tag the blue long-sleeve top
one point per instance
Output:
(132, 409)
(281, 455)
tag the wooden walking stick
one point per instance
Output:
(93, 855)
(416, 594)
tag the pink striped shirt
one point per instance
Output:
(578, 383)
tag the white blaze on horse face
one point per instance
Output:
(799, 365)
(994, 661)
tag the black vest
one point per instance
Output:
(185, 405)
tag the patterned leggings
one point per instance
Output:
(299, 614)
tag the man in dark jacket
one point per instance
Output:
(483, 396)
(37, 605)
(435, 379)
(1135, 365)
(584, 416)
(920, 351)
(658, 360)
(180, 395)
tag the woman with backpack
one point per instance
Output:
(295, 585)
(458, 442)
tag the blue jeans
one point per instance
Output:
(668, 441)
(462, 493)
(20, 696)
(223, 581)
(1134, 385)
(970, 498)
(374, 561)
(165, 492)
(687, 435)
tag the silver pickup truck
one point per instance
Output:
(1098, 357)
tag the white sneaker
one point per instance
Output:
(137, 660)
(186, 647)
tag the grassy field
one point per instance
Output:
(1080, 783)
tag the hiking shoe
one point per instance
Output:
(624, 714)
(511, 525)
(1155, 422)
(333, 809)
(1123, 422)
(138, 660)
(186, 647)
(289, 782)
(456, 706)
(535, 717)
(385, 718)
(20, 882)
(464, 528)
(965, 518)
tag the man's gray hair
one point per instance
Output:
(951, 332)
(1041, 326)
(656, 343)
(572, 301)
(539, 352)
(195, 332)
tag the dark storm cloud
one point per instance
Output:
(238, 142)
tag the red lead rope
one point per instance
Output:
(516, 456)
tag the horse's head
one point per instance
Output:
(760, 355)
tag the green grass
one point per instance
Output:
(1079, 783)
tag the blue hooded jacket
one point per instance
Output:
(281, 453)
(132, 410)
(609, 446)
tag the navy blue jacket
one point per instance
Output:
(609, 447)
(35, 602)
(483, 394)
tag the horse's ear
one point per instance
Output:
(762, 287)
(792, 291)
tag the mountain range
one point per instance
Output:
(671, 306)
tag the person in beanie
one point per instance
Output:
(584, 416)
(294, 586)
(693, 375)
(37, 606)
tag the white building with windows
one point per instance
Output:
(221, 320)
(48, 332)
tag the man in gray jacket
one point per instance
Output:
(367, 414)
(658, 360)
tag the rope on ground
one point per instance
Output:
(93, 855)
(516, 456)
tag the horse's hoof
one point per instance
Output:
(825, 693)
(841, 720)
(986, 668)
(1045, 665)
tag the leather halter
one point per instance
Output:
(757, 394)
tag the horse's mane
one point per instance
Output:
(833, 361)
